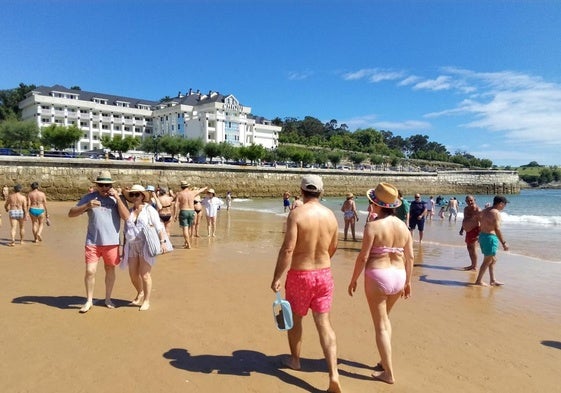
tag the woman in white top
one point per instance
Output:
(136, 254)
(212, 205)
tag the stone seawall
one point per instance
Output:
(69, 179)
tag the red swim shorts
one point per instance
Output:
(473, 235)
(110, 254)
(309, 289)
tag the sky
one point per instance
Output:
(478, 76)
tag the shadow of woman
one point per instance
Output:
(242, 363)
(452, 283)
(61, 302)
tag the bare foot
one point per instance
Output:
(39, 238)
(378, 367)
(109, 304)
(497, 283)
(481, 283)
(186, 246)
(290, 363)
(334, 386)
(12, 243)
(86, 307)
(383, 376)
(145, 306)
(137, 300)
(467, 268)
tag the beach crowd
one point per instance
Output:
(310, 240)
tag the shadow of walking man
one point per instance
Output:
(241, 363)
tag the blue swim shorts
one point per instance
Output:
(489, 244)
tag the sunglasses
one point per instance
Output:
(134, 194)
(103, 185)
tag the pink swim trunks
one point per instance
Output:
(309, 289)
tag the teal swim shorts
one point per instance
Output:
(489, 244)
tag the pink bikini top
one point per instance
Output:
(381, 250)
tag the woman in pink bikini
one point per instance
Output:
(387, 260)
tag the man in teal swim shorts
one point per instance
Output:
(185, 210)
(489, 239)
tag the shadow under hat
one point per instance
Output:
(384, 195)
(136, 188)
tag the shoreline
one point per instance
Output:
(210, 326)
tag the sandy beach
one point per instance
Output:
(210, 327)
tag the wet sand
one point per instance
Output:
(210, 327)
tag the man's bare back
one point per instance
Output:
(312, 236)
(490, 220)
(16, 201)
(185, 199)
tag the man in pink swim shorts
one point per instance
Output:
(309, 243)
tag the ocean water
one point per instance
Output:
(531, 221)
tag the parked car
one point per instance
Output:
(6, 151)
(167, 159)
(58, 154)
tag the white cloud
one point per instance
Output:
(373, 75)
(299, 75)
(370, 121)
(440, 83)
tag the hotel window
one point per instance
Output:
(83, 124)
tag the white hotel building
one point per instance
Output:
(210, 117)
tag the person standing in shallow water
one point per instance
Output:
(16, 206)
(349, 215)
(386, 257)
(309, 243)
(470, 225)
(489, 238)
(37, 202)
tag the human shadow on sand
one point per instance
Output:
(244, 362)
(552, 344)
(64, 302)
(452, 283)
(436, 267)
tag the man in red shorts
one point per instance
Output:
(105, 210)
(470, 225)
(309, 243)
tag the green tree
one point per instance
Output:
(212, 149)
(357, 158)
(171, 145)
(10, 99)
(255, 152)
(227, 150)
(60, 137)
(120, 144)
(19, 134)
(335, 158)
(192, 147)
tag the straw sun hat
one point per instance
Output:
(384, 195)
(136, 188)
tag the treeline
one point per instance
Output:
(537, 175)
(331, 135)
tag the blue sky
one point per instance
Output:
(482, 77)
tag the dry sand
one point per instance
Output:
(211, 328)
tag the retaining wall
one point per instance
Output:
(69, 179)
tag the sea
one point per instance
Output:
(531, 221)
